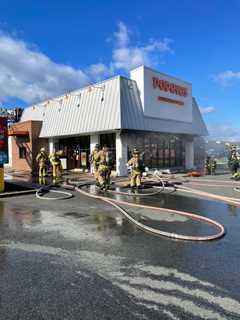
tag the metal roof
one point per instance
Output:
(91, 109)
(110, 105)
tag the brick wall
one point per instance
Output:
(32, 143)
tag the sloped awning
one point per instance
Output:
(17, 133)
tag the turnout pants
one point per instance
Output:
(104, 175)
(42, 171)
(96, 174)
(56, 170)
(135, 179)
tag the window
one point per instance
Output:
(159, 150)
(22, 152)
(23, 139)
(109, 139)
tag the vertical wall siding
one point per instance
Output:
(132, 116)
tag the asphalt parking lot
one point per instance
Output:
(80, 259)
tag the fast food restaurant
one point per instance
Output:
(149, 110)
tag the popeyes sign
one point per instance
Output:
(167, 86)
(163, 96)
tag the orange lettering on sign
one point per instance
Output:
(167, 86)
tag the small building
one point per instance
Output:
(150, 110)
(25, 144)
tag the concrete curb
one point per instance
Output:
(17, 193)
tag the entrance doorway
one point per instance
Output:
(77, 151)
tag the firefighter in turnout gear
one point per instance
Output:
(233, 160)
(94, 163)
(213, 165)
(104, 161)
(42, 160)
(56, 163)
(208, 165)
(136, 166)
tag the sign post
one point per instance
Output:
(3, 149)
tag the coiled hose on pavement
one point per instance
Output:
(116, 203)
(161, 189)
(64, 195)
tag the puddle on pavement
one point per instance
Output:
(71, 225)
(172, 200)
(76, 215)
(102, 221)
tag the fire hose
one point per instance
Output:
(229, 200)
(116, 203)
(161, 189)
(64, 195)
(237, 189)
(225, 199)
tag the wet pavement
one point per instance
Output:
(79, 259)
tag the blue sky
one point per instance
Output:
(49, 47)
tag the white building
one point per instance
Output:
(151, 111)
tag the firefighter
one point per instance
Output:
(136, 166)
(213, 165)
(42, 160)
(236, 176)
(234, 163)
(94, 163)
(208, 165)
(56, 163)
(233, 160)
(104, 161)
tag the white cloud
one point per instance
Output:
(205, 110)
(122, 35)
(224, 132)
(226, 77)
(98, 71)
(126, 56)
(30, 75)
